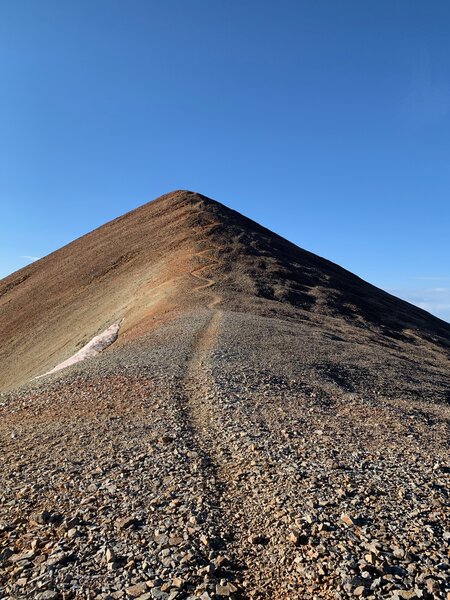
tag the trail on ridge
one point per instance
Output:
(197, 384)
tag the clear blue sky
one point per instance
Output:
(326, 121)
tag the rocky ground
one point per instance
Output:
(227, 455)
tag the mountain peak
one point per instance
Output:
(177, 254)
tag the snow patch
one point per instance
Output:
(92, 348)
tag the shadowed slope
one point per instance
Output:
(278, 278)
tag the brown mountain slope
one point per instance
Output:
(147, 264)
(266, 426)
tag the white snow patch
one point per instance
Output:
(92, 348)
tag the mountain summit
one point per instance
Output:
(194, 407)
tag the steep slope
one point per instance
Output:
(135, 268)
(267, 425)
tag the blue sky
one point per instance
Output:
(326, 121)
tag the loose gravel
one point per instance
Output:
(206, 460)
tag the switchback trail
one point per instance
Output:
(208, 282)
(197, 383)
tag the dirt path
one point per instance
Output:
(197, 384)
(200, 416)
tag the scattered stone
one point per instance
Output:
(177, 582)
(297, 538)
(73, 522)
(47, 595)
(159, 594)
(27, 555)
(225, 589)
(110, 556)
(347, 519)
(125, 522)
(57, 558)
(175, 541)
(41, 518)
(137, 590)
(6, 554)
(257, 539)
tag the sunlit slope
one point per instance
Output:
(128, 269)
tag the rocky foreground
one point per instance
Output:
(222, 456)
